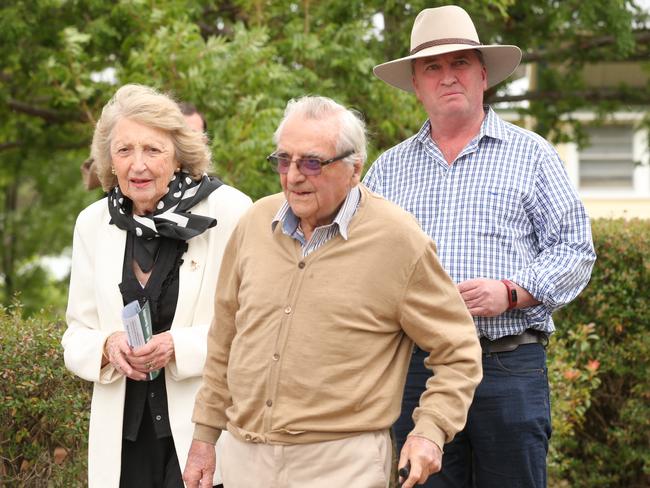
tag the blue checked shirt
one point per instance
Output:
(504, 209)
(322, 234)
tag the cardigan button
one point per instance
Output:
(301, 264)
(287, 310)
(269, 403)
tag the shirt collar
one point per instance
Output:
(493, 126)
(342, 220)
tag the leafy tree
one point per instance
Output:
(240, 61)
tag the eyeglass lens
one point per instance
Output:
(307, 166)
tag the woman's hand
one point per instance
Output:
(154, 355)
(117, 351)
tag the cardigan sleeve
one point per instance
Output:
(434, 315)
(213, 398)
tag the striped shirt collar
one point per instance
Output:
(342, 220)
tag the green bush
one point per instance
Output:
(43, 408)
(609, 445)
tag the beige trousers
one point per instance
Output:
(361, 461)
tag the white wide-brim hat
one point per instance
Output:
(444, 30)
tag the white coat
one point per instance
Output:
(94, 312)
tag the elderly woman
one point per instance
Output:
(158, 237)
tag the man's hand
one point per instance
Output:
(200, 466)
(424, 456)
(484, 297)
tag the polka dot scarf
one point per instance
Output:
(171, 219)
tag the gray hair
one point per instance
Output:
(147, 106)
(352, 129)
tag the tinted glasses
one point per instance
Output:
(310, 166)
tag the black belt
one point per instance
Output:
(511, 342)
(505, 343)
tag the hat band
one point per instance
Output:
(440, 42)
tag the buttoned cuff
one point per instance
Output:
(206, 433)
(431, 431)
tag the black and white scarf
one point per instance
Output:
(171, 218)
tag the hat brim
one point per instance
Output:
(500, 62)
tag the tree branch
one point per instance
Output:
(634, 97)
(46, 114)
(642, 38)
(9, 145)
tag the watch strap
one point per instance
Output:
(512, 293)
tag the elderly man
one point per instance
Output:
(323, 291)
(512, 234)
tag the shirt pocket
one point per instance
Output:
(497, 213)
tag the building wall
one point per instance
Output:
(628, 200)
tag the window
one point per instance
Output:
(608, 162)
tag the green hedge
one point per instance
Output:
(610, 443)
(44, 409)
(598, 368)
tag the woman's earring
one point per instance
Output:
(112, 170)
(178, 169)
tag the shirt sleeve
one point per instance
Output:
(562, 267)
(434, 315)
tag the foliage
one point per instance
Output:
(43, 408)
(573, 377)
(610, 446)
(240, 61)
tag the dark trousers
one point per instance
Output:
(505, 441)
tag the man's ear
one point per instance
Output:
(357, 168)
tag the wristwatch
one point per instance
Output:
(512, 293)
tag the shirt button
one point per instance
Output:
(301, 264)
(287, 310)
(269, 403)
(276, 356)
(158, 417)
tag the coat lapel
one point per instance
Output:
(191, 275)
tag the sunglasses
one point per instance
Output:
(307, 166)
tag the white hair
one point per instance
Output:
(352, 129)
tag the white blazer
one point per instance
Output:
(94, 312)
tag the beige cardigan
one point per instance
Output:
(94, 308)
(317, 348)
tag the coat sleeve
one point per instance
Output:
(83, 341)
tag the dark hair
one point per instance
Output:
(188, 108)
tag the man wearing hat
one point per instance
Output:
(511, 233)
